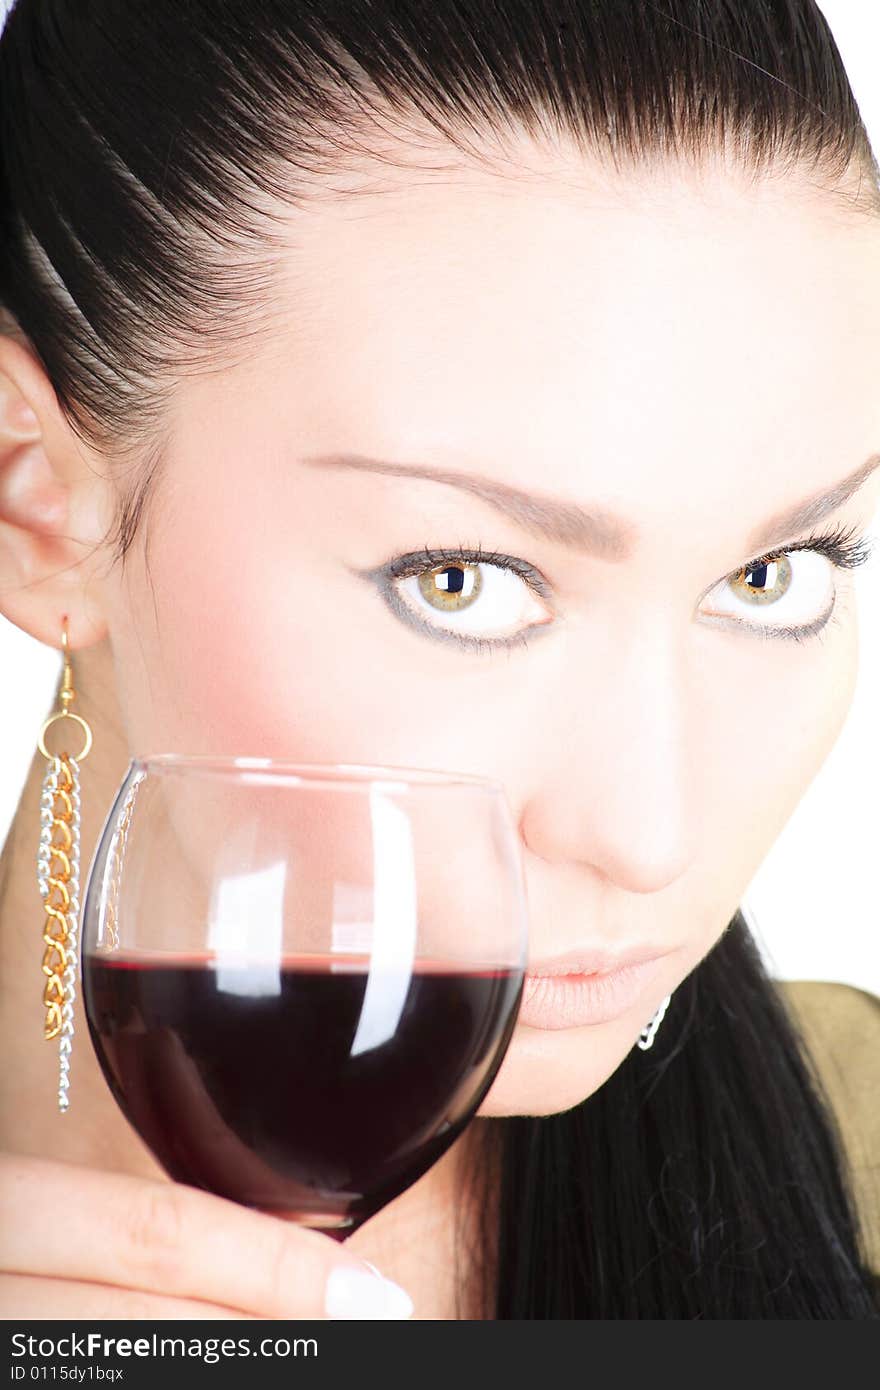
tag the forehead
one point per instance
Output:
(656, 275)
(551, 324)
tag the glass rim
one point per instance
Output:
(356, 775)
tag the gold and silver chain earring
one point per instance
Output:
(58, 875)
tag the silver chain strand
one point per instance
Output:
(44, 856)
(648, 1034)
(47, 801)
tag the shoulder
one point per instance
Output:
(835, 1014)
(841, 1027)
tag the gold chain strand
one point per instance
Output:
(56, 901)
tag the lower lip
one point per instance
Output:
(573, 1001)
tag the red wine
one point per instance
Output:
(314, 1093)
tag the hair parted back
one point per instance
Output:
(153, 157)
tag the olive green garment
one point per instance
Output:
(841, 1026)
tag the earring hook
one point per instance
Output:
(67, 691)
(66, 694)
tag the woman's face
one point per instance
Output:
(644, 378)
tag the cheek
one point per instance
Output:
(777, 742)
(249, 652)
(254, 640)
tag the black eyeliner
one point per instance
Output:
(418, 561)
(841, 545)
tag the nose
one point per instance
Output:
(616, 786)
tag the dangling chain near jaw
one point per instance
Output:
(58, 878)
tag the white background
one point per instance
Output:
(814, 903)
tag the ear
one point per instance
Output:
(55, 509)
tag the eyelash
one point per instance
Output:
(841, 545)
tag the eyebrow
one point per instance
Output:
(593, 531)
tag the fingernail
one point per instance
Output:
(353, 1292)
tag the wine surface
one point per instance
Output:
(310, 1087)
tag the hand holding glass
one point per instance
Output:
(301, 980)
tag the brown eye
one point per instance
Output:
(478, 602)
(764, 583)
(451, 588)
(786, 594)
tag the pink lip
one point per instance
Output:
(565, 1000)
(596, 962)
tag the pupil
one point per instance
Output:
(761, 571)
(456, 583)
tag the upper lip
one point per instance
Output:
(596, 962)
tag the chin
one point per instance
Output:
(547, 1105)
(549, 1072)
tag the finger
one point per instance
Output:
(49, 1300)
(164, 1237)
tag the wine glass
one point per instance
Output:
(301, 979)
